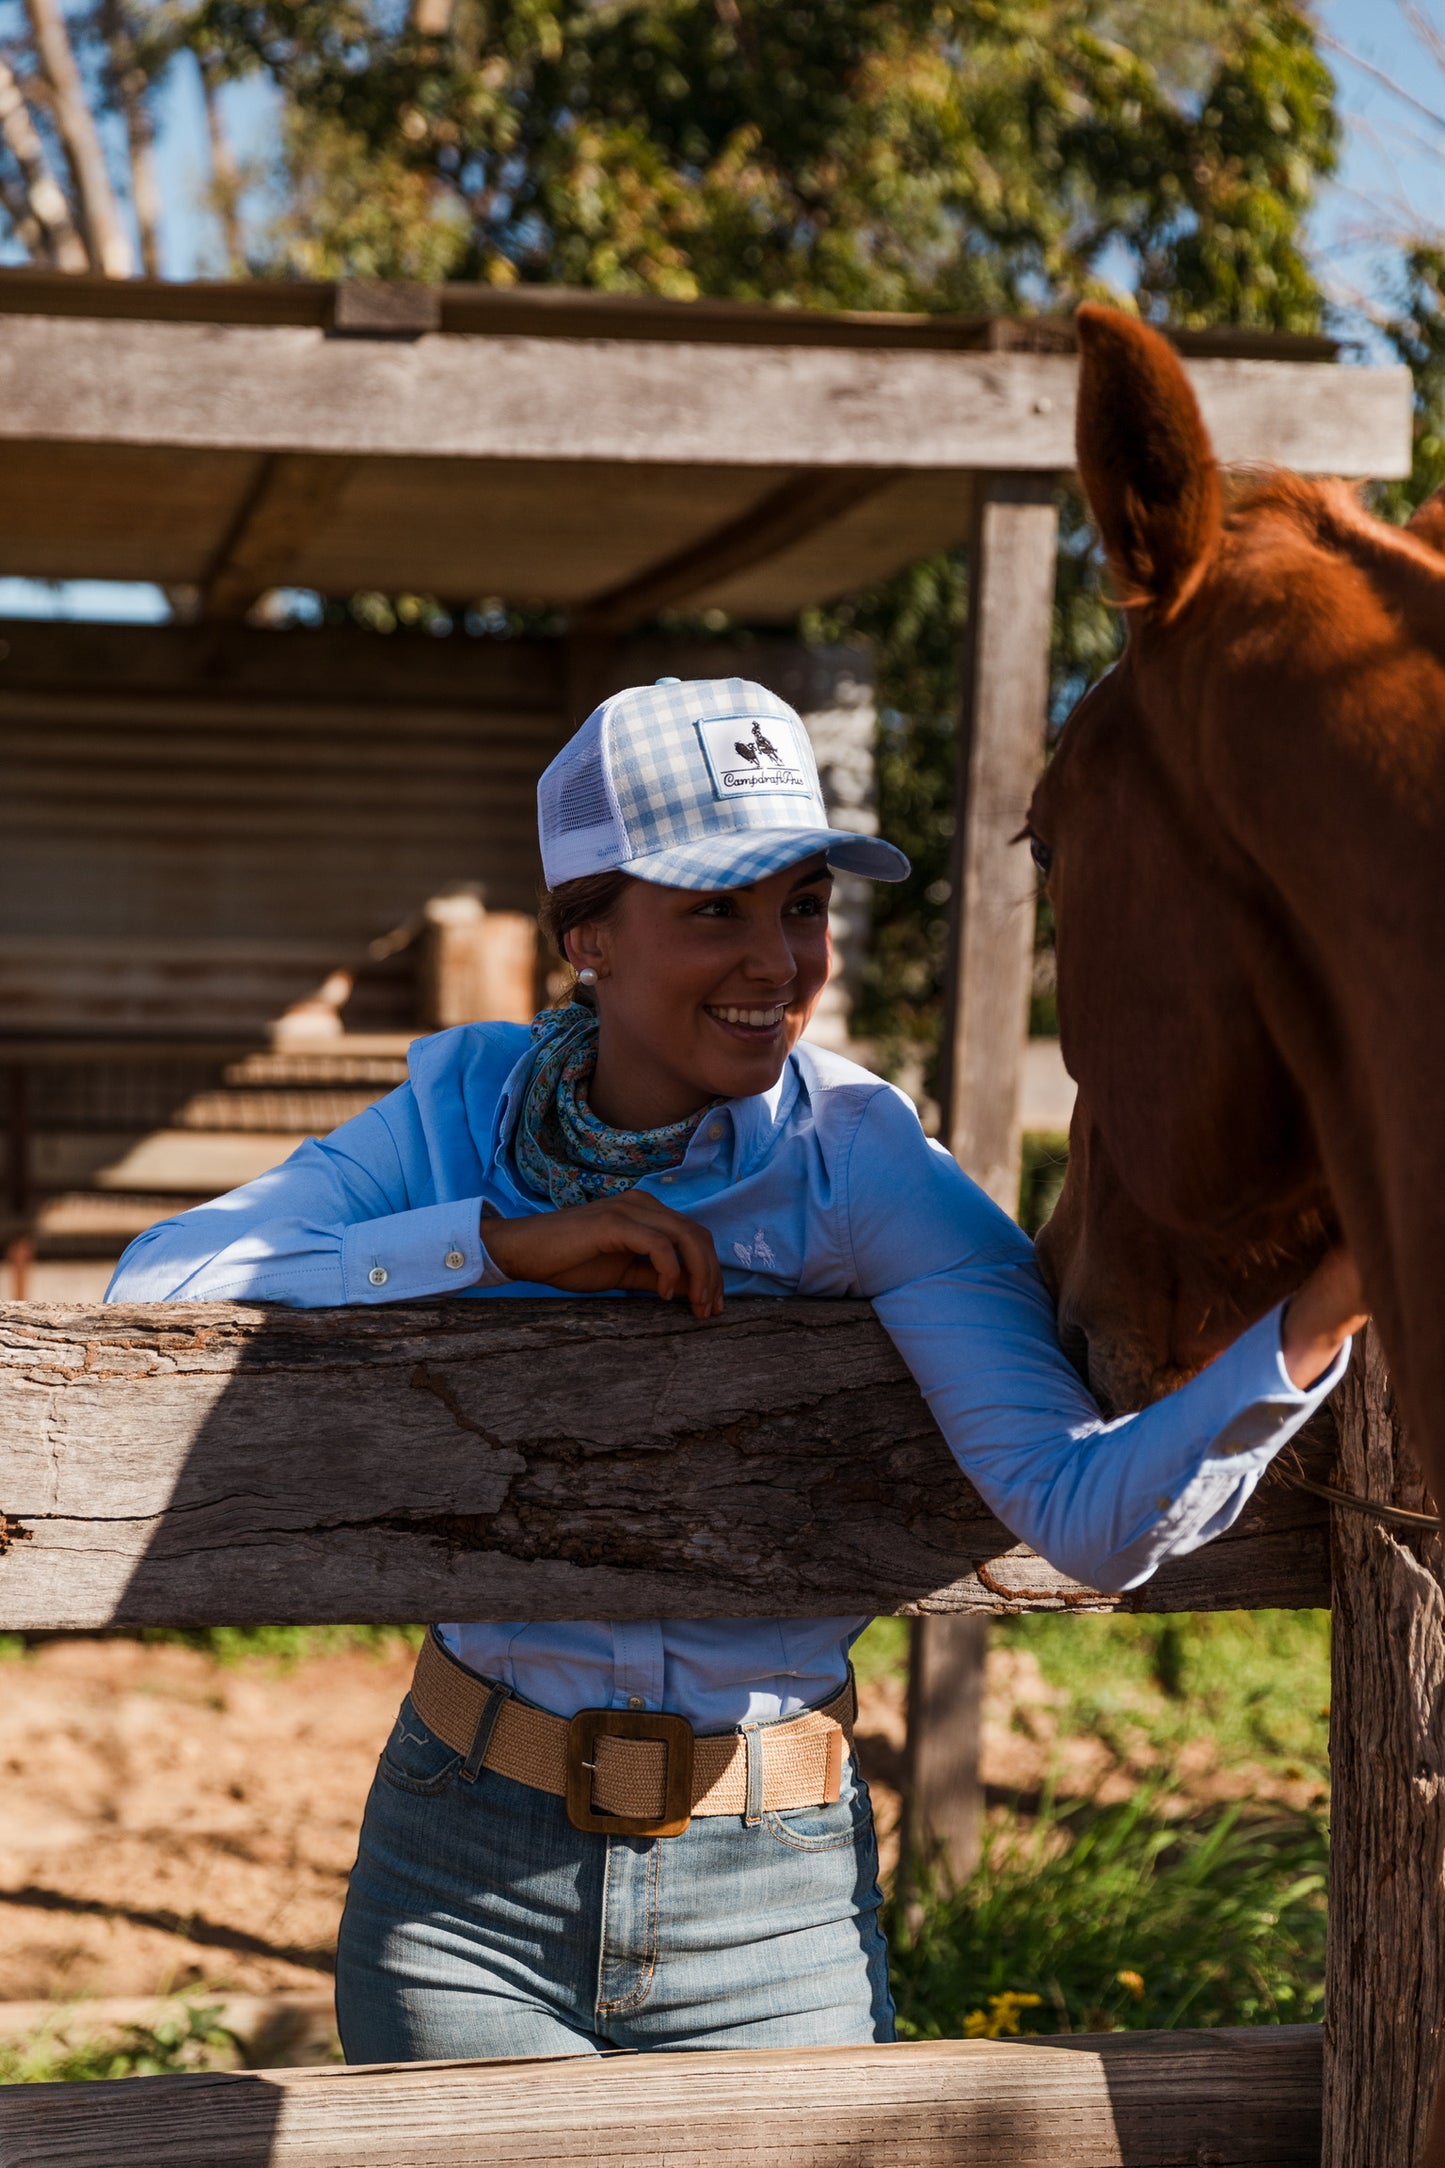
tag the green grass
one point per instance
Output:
(881, 1650)
(187, 2039)
(1118, 1918)
(286, 1645)
(1255, 1684)
(1153, 1911)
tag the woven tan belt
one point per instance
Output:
(627, 1772)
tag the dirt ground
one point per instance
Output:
(167, 1821)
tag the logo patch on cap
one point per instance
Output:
(753, 756)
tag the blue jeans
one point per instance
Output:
(480, 1922)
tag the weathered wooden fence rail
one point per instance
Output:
(1245, 2098)
(194, 1464)
(189, 1464)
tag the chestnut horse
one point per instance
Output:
(1243, 832)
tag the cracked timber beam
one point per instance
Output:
(202, 1464)
(1248, 2097)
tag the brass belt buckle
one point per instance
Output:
(675, 1733)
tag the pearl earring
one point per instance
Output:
(587, 976)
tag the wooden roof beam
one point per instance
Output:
(789, 514)
(291, 389)
(291, 499)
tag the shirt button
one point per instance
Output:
(714, 1130)
(378, 1275)
(455, 1259)
(669, 1178)
(636, 1701)
(1164, 1502)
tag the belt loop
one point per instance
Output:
(753, 1747)
(482, 1736)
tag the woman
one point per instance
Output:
(692, 1863)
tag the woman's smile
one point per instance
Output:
(756, 1025)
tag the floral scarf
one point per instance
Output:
(559, 1148)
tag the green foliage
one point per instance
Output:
(956, 154)
(1417, 333)
(1256, 1684)
(1154, 1911)
(881, 1650)
(1123, 1917)
(1046, 1161)
(190, 2038)
(286, 1645)
(914, 624)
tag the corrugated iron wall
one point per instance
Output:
(196, 828)
(246, 819)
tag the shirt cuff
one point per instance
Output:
(1266, 1399)
(410, 1256)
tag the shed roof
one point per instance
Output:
(614, 454)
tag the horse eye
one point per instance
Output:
(1042, 856)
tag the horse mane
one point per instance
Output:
(1330, 514)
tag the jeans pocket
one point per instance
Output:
(825, 1829)
(414, 1759)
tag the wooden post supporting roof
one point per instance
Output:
(1012, 551)
(1012, 556)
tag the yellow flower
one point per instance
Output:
(1001, 2019)
(1134, 1981)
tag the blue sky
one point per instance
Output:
(1392, 179)
(1392, 175)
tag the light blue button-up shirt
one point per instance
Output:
(826, 1185)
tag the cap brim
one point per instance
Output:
(750, 854)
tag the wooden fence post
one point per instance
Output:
(1385, 1972)
(1012, 553)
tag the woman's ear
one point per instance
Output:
(585, 946)
(1145, 460)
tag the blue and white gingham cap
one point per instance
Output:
(704, 784)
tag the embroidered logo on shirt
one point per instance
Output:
(755, 1252)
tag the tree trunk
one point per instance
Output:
(1385, 1986)
(130, 89)
(225, 173)
(108, 241)
(59, 242)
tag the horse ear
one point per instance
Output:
(1146, 462)
(1427, 522)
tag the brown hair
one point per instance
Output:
(573, 903)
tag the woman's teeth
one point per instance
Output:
(760, 1019)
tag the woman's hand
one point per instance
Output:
(1321, 1317)
(631, 1242)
